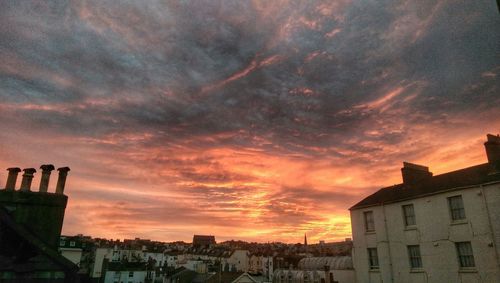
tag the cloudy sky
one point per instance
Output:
(256, 120)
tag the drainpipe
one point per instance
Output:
(388, 244)
(497, 257)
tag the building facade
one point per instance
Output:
(132, 272)
(443, 228)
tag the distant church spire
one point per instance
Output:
(305, 239)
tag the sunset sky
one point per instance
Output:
(255, 120)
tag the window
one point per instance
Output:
(465, 256)
(72, 243)
(414, 255)
(456, 208)
(116, 277)
(373, 258)
(131, 274)
(409, 215)
(369, 224)
(62, 243)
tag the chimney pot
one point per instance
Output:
(12, 178)
(413, 174)
(27, 179)
(44, 182)
(61, 181)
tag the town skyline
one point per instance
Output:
(247, 120)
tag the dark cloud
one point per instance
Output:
(226, 103)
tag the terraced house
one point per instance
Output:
(443, 228)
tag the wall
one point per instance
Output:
(73, 254)
(123, 276)
(240, 259)
(40, 213)
(195, 265)
(436, 236)
(160, 258)
(100, 254)
(171, 260)
(344, 276)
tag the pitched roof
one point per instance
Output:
(225, 277)
(467, 177)
(237, 279)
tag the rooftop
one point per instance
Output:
(467, 177)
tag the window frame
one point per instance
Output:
(373, 262)
(465, 261)
(412, 257)
(456, 213)
(407, 216)
(367, 223)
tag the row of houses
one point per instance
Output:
(141, 263)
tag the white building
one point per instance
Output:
(171, 259)
(261, 264)
(443, 228)
(334, 269)
(198, 266)
(236, 260)
(338, 269)
(239, 260)
(73, 254)
(71, 248)
(132, 276)
(116, 254)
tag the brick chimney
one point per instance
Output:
(12, 178)
(414, 174)
(40, 213)
(61, 181)
(27, 178)
(44, 182)
(492, 147)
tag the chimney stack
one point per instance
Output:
(492, 146)
(61, 181)
(44, 182)
(413, 174)
(27, 178)
(12, 178)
